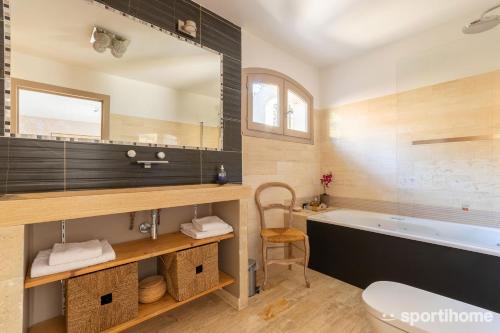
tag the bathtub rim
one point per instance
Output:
(320, 217)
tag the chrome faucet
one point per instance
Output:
(151, 228)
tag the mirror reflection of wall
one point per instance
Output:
(159, 91)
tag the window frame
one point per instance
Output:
(285, 83)
(17, 84)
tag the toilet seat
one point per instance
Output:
(390, 303)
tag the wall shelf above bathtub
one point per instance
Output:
(130, 252)
(19, 209)
(146, 311)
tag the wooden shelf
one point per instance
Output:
(146, 311)
(130, 252)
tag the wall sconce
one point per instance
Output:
(102, 40)
(187, 27)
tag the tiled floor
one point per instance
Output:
(286, 306)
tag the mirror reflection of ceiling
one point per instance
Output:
(62, 31)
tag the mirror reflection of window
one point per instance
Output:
(42, 109)
(54, 115)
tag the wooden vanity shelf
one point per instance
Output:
(126, 253)
(132, 251)
(146, 311)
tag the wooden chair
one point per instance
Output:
(286, 235)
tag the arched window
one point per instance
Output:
(276, 107)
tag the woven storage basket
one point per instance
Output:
(191, 271)
(152, 288)
(100, 300)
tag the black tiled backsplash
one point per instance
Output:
(231, 161)
(34, 165)
(90, 166)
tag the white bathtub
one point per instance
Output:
(461, 236)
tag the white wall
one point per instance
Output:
(259, 53)
(438, 55)
(128, 97)
(267, 160)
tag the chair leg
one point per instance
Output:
(264, 263)
(290, 253)
(306, 260)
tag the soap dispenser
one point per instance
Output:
(221, 176)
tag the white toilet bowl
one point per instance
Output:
(394, 308)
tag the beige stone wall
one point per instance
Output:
(11, 278)
(132, 129)
(368, 146)
(271, 160)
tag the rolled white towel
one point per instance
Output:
(188, 229)
(71, 252)
(41, 267)
(209, 223)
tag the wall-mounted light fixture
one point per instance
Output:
(187, 27)
(103, 39)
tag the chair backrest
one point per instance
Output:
(263, 208)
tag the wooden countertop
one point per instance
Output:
(19, 209)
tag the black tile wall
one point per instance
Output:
(231, 161)
(232, 135)
(157, 12)
(107, 166)
(31, 165)
(218, 35)
(4, 163)
(35, 165)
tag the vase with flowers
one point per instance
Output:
(326, 180)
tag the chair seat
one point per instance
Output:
(282, 235)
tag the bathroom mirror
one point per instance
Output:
(84, 72)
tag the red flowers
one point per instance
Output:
(326, 179)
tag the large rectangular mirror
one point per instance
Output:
(81, 71)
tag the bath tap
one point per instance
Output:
(151, 228)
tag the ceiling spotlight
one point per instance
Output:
(103, 39)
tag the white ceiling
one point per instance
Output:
(61, 29)
(324, 32)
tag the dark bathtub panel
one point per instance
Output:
(361, 258)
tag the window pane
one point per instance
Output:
(49, 114)
(297, 118)
(266, 104)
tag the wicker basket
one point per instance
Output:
(191, 271)
(152, 288)
(100, 300)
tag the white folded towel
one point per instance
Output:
(70, 252)
(188, 229)
(41, 267)
(209, 223)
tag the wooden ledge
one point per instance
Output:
(19, 209)
(132, 251)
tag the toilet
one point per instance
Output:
(393, 307)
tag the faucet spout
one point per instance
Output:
(154, 224)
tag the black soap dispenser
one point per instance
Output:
(221, 176)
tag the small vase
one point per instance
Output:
(325, 199)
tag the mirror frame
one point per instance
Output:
(7, 117)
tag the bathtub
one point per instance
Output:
(455, 260)
(461, 236)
